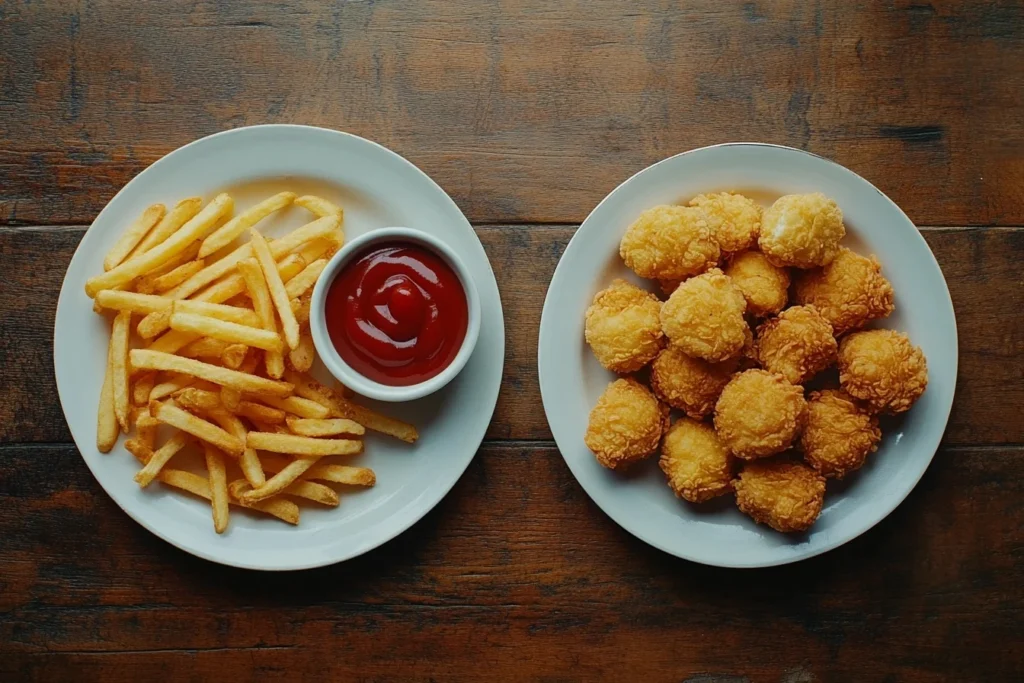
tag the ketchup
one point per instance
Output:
(397, 313)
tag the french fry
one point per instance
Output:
(146, 426)
(249, 461)
(280, 481)
(165, 389)
(269, 428)
(319, 205)
(276, 286)
(182, 212)
(155, 360)
(230, 314)
(281, 508)
(302, 445)
(261, 302)
(336, 474)
(142, 387)
(296, 405)
(205, 347)
(260, 413)
(197, 427)
(141, 451)
(152, 303)
(310, 490)
(194, 229)
(232, 333)
(329, 427)
(320, 248)
(178, 275)
(307, 387)
(225, 234)
(107, 428)
(200, 400)
(160, 458)
(218, 487)
(132, 235)
(172, 342)
(234, 355)
(145, 284)
(119, 359)
(230, 398)
(302, 356)
(305, 280)
(285, 510)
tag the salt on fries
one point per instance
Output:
(211, 340)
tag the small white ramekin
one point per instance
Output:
(333, 360)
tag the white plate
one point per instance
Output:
(571, 378)
(377, 188)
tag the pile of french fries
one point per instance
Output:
(221, 353)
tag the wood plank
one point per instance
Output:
(530, 580)
(524, 111)
(981, 267)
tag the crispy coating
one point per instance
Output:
(797, 344)
(765, 286)
(704, 317)
(698, 466)
(883, 369)
(759, 414)
(838, 435)
(734, 220)
(802, 230)
(669, 243)
(784, 494)
(848, 292)
(626, 424)
(689, 384)
(623, 327)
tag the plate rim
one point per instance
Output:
(638, 532)
(316, 560)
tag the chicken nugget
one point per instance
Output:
(759, 414)
(802, 230)
(883, 369)
(797, 344)
(782, 493)
(704, 317)
(735, 220)
(689, 384)
(698, 466)
(848, 292)
(623, 327)
(838, 435)
(669, 243)
(626, 425)
(765, 286)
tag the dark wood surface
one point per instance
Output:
(527, 113)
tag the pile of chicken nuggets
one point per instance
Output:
(760, 302)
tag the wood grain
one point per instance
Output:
(525, 111)
(981, 267)
(528, 582)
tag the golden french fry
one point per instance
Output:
(280, 481)
(142, 387)
(301, 307)
(269, 428)
(318, 493)
(230, 314)
(172, 246)
(225, 234)
(204, 347)
(276, 286)
(234, 355)
(261, 302)
(336, 474)
(218, 487)
(160, 458)
(307, 387)
(141, 451)
(182, 212)
(249, 461)
(285, 510)
(202, 429)
(152, 303)
(178, 275)
(281, 508)
(119, 359)
(319, 205)
(320, 248)
(260, 413)
(145, 284)
(303, 355)
(146, 426)
(230, 398)
(328, 427)
(132, 235)
(302, 445)
(296, 405)
(165, 389)
(232, 333)
(107, 428)
(155, 360)
(200, 400)
(305, 280)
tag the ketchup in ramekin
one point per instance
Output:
(397, 313)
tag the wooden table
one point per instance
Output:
(527, 113)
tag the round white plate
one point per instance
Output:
(377, 188)
(571, 380)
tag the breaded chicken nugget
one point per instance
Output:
(697, 464)
(784, 494)
(669, 243)
(626, 424)
(734, 219)
(797, 344)
(883, 369)
(838, 435)
(802, 230)
(704, 317)
(759, 414)
(848, 292)
(623, 327)
(689, 384)
(765, 286)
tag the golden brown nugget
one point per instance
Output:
(669, 242)
(883, 369)
(784, 494)
(623, 327)
(735, 220)
(689, 384)
(759, 414)
(626, 425)
(695, 461)
(798, 344)
(802, 230)
(764, 285)
(704, 317)
(838, 435)
(849, 292)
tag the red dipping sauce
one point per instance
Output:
(397, 313)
